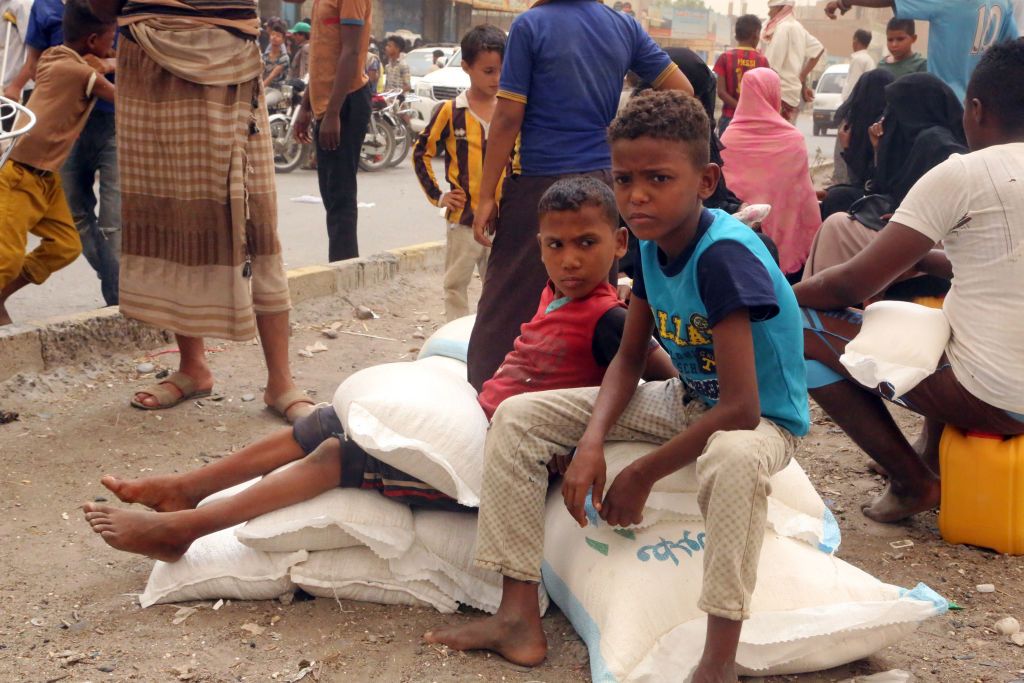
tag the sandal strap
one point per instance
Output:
(164, 394)
(291, 398)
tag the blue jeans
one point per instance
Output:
(96, 153)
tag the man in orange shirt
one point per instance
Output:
(337, 108)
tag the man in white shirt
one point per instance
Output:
(14, 49)
(860, 63)
(973, 205)
(792, 52)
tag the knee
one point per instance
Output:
(68, 248)
(327, 454)
(729, 454)
(513, 413)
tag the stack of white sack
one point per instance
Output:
(420, 417)
(632, 593)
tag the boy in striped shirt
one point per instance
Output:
(462, 125)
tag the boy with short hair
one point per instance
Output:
(461, 125)
(569, 343)
(396, 73)
(972, 205)
(900, 36)
(732, 64)
(31, 195)
(710, 290)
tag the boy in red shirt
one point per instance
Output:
(732, 64)
(569, 343)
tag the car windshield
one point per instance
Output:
(455, 59)
(832, 84)
(420, 62)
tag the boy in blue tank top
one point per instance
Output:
(714, 296)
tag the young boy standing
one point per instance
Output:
(462, 125)
(31, 195)
(732, 64)
(570, 342)
(900, 36)
(560, 85)
(711, 291)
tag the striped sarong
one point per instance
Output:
(200, 254)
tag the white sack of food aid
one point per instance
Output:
(443, 554)
(899, 344)
(632, 596)
(795, 509)
(358, 574)
(450, 340)
(421, 418)
(339, 518)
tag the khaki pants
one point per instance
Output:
(462, 254)
(733, 472)
(31, 203)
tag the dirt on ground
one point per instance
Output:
(69, 604)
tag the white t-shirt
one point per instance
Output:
(15, 49)
(787, 52)
(974, 205)
(860, 63)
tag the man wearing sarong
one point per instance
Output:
(200, 254)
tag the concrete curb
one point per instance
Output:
(66, 340)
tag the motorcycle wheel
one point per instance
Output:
(403, 143)
(289, 153)
(377, 146)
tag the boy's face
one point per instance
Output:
(658, 189)
(900, 44)
(102, 44)
(276, 38)
(391, 49)
(484, 72)
(578, 249)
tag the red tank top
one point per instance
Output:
(554, 350)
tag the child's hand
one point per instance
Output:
(876, 131)
(586, 473)
(454, 200)
(624, 504)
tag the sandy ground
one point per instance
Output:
(68, 605)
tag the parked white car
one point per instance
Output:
(421, 61)
(828, 96)
(435, 88)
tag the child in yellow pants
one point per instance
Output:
(31, 196)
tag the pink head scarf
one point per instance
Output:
(765, 162)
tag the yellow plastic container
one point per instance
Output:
(982, 490)
(930, 301)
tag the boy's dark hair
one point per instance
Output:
(906, 25)
(482, 38)
(748, 27)
(80, 23)
(575, 192)
(277, 26)
(862, 36)
(437, 54)
(997, 83)
(399, 42)
(666, 115)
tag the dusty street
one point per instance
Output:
(69, 603)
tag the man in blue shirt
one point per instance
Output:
(960, 31)
(560, 85)
(95, 152)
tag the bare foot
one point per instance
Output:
(520, 642)
(203, 382)
(892, 506)
(877, 469)
(162, 493)
(715, 673)
(296, 411)
(153, 534)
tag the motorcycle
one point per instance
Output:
(389, 138)
(289, 153)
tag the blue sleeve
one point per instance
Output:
(649, 61)
(517, 66)
(35, 36)
(731, 277)
(639, 289)
(922, 10)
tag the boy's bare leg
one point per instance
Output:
(167, 535)
(718, 663)
(173, 492)
(192, 363)
(10, 288)
(514, 632)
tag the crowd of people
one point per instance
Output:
(555, 194)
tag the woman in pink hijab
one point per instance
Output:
(766, 163)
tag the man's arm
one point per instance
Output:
(501, 140)
(24, 75)
(345, 74)
(738, 408)
(844, 6)
(723, 94)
